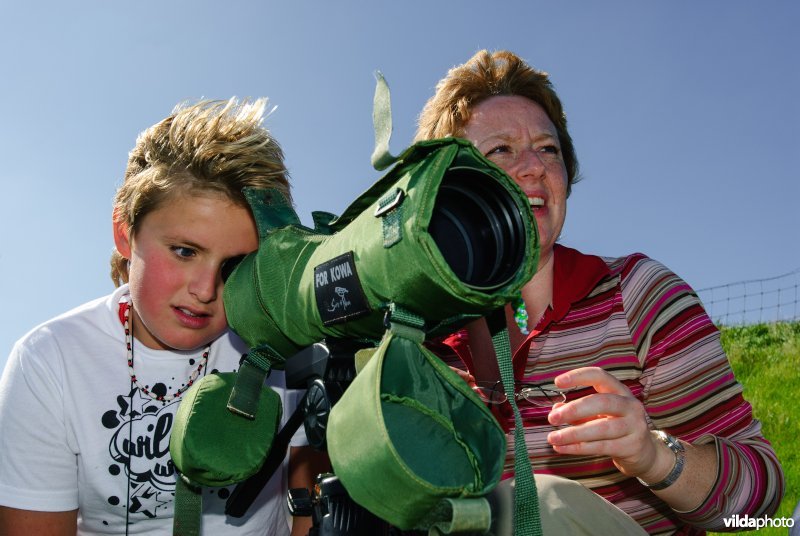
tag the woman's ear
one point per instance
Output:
(122, 237)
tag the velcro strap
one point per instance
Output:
(382, 122)
(390, 210)
(188, 509)
(249, 382)
(404, 323)
(263, 357)
(322, 221)
(271, 209)
(458, 516)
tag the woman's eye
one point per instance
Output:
(550, 149)
(500, 149)
(182, 251)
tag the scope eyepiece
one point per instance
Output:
(230, 265)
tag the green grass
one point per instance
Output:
(766, 360)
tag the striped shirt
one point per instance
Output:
(637, 320)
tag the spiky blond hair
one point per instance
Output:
(210, 146)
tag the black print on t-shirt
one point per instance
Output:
(139, 450)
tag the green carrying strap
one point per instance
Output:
(526, 502)
(188, 518)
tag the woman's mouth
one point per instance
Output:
(536, 202)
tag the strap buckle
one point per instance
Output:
(383, 208)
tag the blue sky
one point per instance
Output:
(685, 116)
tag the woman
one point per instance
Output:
(654, 420)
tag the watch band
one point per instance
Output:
(680, 459)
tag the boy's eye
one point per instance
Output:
(182, 251)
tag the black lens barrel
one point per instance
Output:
(478, 228)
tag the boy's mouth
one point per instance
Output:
(187, 312)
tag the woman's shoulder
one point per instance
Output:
(623, 265)
(569, 258)
(648, 287)
(638, 267)
(634, 272)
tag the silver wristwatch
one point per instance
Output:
(680, 459)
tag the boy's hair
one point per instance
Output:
(212, 147)
(488, 74)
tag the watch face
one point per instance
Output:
(671, 441)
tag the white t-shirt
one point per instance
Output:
(74, 433)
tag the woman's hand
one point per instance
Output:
(611, 422)
(465, 375)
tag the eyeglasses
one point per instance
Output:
(494, 393)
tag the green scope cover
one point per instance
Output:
(213, 451)
(375, 272)
(304, 285)
(409, 433)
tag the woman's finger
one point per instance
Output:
(595, 406)
(602, 381)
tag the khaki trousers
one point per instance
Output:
(565, 507)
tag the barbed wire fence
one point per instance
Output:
(774, 299)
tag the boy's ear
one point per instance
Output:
(122, 238)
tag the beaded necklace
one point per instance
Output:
(520, 314)
(129, 345)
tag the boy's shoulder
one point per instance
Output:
(96, 314)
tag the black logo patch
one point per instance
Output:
(338, 291)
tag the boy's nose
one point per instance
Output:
(204, 285)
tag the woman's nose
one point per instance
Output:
(530, 165)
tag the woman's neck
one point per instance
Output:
(537, 295)
(538, 292)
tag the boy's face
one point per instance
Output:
(176, 257)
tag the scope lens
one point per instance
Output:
(478, 228)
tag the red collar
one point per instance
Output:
(574, 276)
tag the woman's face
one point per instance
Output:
(515, 133)
(176, 259)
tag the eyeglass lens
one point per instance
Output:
(493, 393)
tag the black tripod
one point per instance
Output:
(325, 370)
